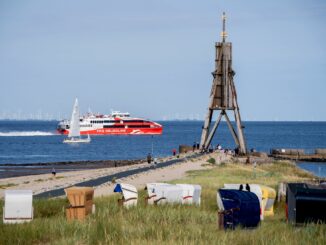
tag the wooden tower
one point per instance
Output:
(223, 96)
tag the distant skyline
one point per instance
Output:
(154, 58)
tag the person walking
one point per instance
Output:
(174, 152)
(149, 158)
(53, 172)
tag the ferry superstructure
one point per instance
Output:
(116, 123)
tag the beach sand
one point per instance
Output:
(45, 182)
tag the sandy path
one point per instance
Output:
(173, 172)
(46, 182)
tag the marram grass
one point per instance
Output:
(169, 224)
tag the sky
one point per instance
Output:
(154, 58)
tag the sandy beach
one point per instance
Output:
(45, 182)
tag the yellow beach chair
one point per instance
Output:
(268, 199)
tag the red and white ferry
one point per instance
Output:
(116, 123)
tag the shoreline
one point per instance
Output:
(17, 170)
(28, 169)
(46, 182)
(107, 161)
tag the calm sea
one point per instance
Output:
(37, 141)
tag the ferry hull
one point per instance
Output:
(118, 131)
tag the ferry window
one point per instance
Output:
(134, 121)
(113, 126)
(138, 126)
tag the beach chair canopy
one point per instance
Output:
(169, 193)
(306, 203)
(240, 208)
(18, 206)
(129, 193)
(151, 191)
(254, 188)
(190, 193)
(164, 193)
(268, 199)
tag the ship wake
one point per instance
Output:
(25, 133)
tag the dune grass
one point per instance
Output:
(169, 224)
(5, 186)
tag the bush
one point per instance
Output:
(211, 160)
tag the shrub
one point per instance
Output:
(211, 160)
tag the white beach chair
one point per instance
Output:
(160, 193)
(129, 194)
(151, 194)
(190, 194)
(168, 194)
(254, 188)
(18, 206)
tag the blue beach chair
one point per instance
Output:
(238, 208)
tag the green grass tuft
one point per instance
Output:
(7, 185)
(211, 160)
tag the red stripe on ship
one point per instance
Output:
(119, 131)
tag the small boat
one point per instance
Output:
(74, 133)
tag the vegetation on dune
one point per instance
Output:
(5, 186)
(169, 224)
(211, 160)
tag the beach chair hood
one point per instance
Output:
(129, 193)
(305, 203)
(268, 199)
(18, 206)
(151, 192)
(190, 193)
(254, 188)
(160, 193)
(240, 207)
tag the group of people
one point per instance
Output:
(247, 187)
(219, 148)
(195, 146)
(210, 149)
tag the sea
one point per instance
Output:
(24, 142)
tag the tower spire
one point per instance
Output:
(223, 33)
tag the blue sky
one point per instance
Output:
(154, 58)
